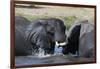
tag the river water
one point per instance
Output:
(34, 60)
(58, 57)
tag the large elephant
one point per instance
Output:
(80, 39)
(39, 34)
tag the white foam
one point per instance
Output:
(41, 54)
(44, 56)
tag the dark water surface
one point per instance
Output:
(34, 60)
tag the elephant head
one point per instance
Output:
(55, 29)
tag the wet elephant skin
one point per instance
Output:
(41, 33)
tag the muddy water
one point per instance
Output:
(34, 60)
(58, 57)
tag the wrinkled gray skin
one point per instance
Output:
(21, 24)
(40, 33)
(80, 40)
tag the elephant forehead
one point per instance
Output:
(51, 24)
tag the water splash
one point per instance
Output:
(40, 53)
(57, 51)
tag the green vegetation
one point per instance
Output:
(67, 20)
(67, 14)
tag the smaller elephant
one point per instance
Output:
(80, 39)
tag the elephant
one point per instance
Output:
(20, 27)
(80, 39)
(40, 34)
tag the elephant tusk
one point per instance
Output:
(61, 44)
(57, 44)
